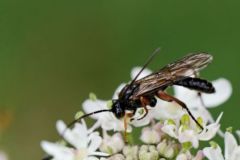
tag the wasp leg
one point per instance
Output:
(164, 96)
(133, 113)
(144, 102)
(126, 116)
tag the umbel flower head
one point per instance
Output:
(84, 143)
(167, 132)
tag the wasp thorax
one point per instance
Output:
(117, 109)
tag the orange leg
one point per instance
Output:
(126, 116)
(144, 102)
(164, 96)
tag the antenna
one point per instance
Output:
(84, 116)
(150, 58)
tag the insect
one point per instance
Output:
(140, 93)
(143, 92)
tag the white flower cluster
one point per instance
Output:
(167, 132)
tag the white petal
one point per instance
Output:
(76, 136)
(95, 142)
(109, 122)
(223, 92)
(58, 151)
(213, 153)
(182, 156)
(106, 119)
(114, 143)
(210, 131)
(236, 154)
(150, 136)
(167, 110)
(170, 130)
(100, 154)
(91, 106)
(230, 144)
(189, 97)
(60, 125)
(204, 113)
(189, 136)
(207, 117)
(117, 142)
(136, 70)
(109, 125)
(219, 117)
(141, 122)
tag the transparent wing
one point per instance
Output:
(187, 66)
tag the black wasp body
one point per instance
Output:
(143, 92)
(125, 103)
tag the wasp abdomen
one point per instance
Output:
(196, 84)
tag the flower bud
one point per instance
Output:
(213, 144)
(161, 147)
(112, 144)
(92, 96)
(182, 156)
(167, 149)
(169, 152)
(109, 104)
(186, 146)
(229, 129)
(185, 122)
(150, 136)
(78, 114)
(131, 152)
(148, 153)
(201, 122)
(171, 122)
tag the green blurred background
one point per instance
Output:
(53, 53)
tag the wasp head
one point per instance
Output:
(118, 109)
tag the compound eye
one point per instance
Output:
(118, 110)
